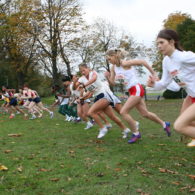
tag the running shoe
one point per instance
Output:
(108, 126)
(134, 138)
(32, 117)
(102, 132)
(40, 115)
(125, 133)
(191, 144)
(89, 125)
(12, 116)
(51, 114)
(167, 129)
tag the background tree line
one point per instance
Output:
(43, 40)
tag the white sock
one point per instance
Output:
(136, 133)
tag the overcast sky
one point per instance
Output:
(142, 18)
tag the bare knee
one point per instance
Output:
(178, 126)
(90, 113)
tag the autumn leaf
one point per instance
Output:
(139, 190)
(99, 141)
(117, 169)
(20, 169)
(191, 176)
(184, 188)
(15, 135)
(100, 175)
(100, 149)
(167, 171)
(3, 168)
(54, 179)
(7, 151)
(176, 182)
(192, 190)
(44, 170)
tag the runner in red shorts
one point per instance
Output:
(124, 72)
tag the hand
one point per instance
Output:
(181, 84)
(107, 74)
(174, 73)
(151, 81)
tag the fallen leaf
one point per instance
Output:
(3, 168)
(184, 188)
(55, 179)
(161, 144)
(44, 170)
(99, 141)
(14, 135)
(192, 190)
(139, 190)
(100, 149)
(100, 175)
(20, 169)
(117, 169)
(191, 176)
(176, 182)
(7, 151)
(167, 171)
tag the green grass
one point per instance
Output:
(56, 157)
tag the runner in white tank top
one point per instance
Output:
(103, 99)
(124, 71)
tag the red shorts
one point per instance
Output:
(192, 99)
(137, 90)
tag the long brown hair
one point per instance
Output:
(170, 34)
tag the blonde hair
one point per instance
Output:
(119, 53)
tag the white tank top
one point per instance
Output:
(127, 77)
(96, 87)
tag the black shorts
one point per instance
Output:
(30, 99)
(107, 97)
(37, 100)
(13, 102)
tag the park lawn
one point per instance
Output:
(51, 156)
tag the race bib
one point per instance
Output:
(91, 87)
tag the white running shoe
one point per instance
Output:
(89, 125)
(125, 133)
(108, 126)
(40, 115)
(33, 117)
(191, 144)
(102, 132)
(51, 114)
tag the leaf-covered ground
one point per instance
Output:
(45, 156)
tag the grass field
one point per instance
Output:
(56, 157)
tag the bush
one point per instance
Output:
(168, 94)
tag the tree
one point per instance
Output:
(174, 19)
(17, 44)
(58, 21)
(186, 31)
